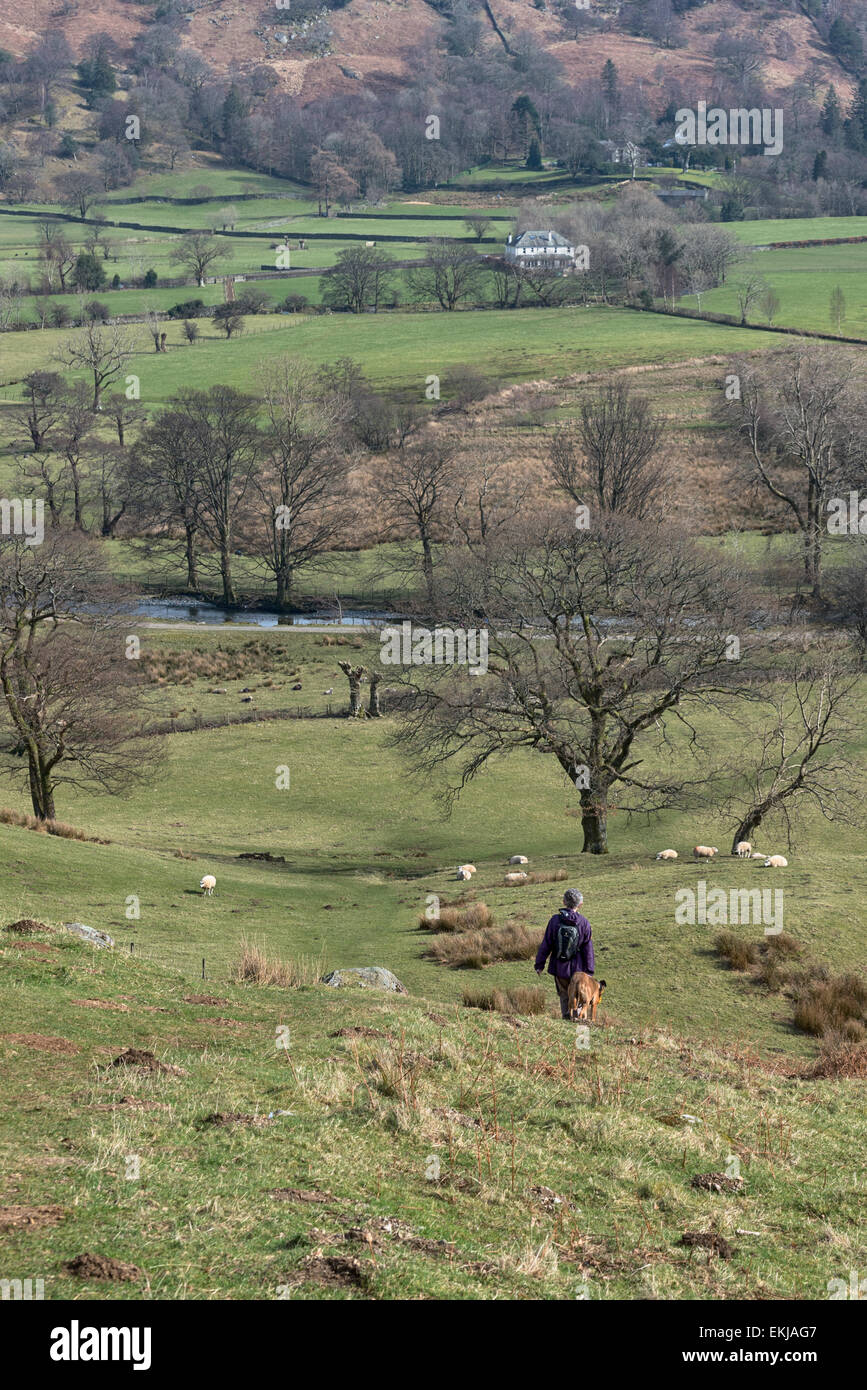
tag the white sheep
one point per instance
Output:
(519, 859)
(776, 861)
(667, 854)
(758, 854)
(743, 849)
(208, 884)
(512, 880)
(465, 871)
(704, 851)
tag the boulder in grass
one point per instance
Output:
(96, 938)
(366, 977)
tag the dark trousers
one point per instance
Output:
(562, 995)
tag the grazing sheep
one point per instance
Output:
(466, 870)
(208, 884)
(776, 861)
(512, 880)
(743, 849)
(667, 854)
(704, 852)
(519, 859)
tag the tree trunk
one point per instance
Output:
(373, 708)
(594, 823)
(191, 558)
(353, 675)
(41, 793)
(229, 597)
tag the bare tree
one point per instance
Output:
(479, 225)
(44, 393)
(163, 472)
(219, 426)
(600, 642)
(450, 274)
(804, 422)
(360, 279)
(355, 675)
(609, 458)
(797, 756)
(415, 486)
(71, 699)
(302, 484)
(197, 252)
(101, 350)
(749, 292)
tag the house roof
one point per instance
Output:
(539, 239)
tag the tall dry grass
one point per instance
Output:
(473, 950)
(47, 827)
(255, 966)
(459, 918)
(523, 1000)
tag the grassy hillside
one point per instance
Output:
(397, 1150)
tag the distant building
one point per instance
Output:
(535, 250)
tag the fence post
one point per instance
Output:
(132, 948)
(203, 967)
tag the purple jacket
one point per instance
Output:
(583, 957)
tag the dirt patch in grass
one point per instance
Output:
(88, 1266)
(221, 1119)
(335, 1271)
(212, 999)
(101, 1004)
(299, 1194)
(386, 1228)
(25, 1218)
(708, 1240)
(28, 926)
(717, 1182)
(438, 1018)
(40, 947)
(225, 1022)
(41, 1042)
(358, 1032)
(146, 1061)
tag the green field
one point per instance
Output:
(508, 1111)
(403, 349)
(804, 280)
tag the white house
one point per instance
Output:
(535, 250)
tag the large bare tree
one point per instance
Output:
(416, 485)
(301, 504)
(596, 639)
(796, 754)
(102, 351)
(804, 421)
(609, 458)
(71, 700)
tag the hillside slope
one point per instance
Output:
(377, 41)
(398, 1150)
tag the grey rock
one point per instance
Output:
(367, 977)
(90, 934)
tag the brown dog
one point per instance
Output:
(584, 994)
